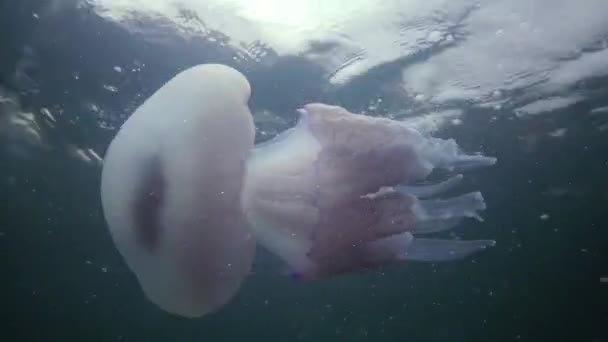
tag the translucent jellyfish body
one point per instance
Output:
(186, 195)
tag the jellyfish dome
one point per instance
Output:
(171, 190)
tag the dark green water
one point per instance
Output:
(63, 280)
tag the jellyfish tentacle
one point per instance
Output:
(465, 205)
(396, 212)
(437, 250)
(405, 247)
(435, 226)
(429, 190)
(447, 155)
(468, 162)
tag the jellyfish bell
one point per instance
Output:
(171, 190)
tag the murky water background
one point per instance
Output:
(523, 81)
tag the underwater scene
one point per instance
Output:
(264, 170)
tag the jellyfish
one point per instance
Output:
(187, 195)
(343, 192)
(171, 190)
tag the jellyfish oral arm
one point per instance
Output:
(340, 192)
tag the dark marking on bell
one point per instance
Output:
(147, 207)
